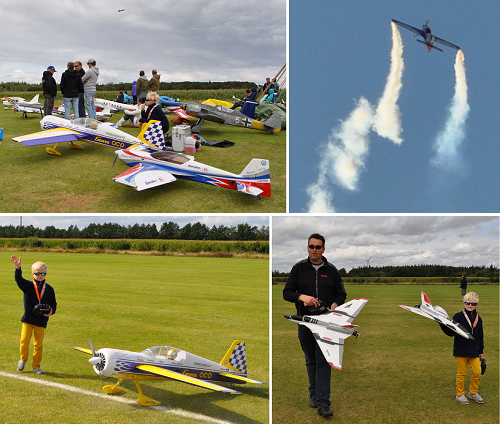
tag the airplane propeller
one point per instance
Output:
(98, 361)
(116, 157)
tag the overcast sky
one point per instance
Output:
(82, 221)
(189, 40)
(350, 241)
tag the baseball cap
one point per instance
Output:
(51, 67)
(91, 61)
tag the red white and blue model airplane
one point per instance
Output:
(151, 168)
(170, 363)
(332, 328)
(428, 38)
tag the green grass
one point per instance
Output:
(399, 370)
(197, 304)
(80, 181)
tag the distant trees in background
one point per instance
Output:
(168, 230)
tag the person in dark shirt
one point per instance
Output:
(152, 111)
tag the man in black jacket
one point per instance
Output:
(35, 292)
(71, 84)
(81, 98)
(313, 280)
(49, 90)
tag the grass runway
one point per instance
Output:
(134, 302)
(399, 370)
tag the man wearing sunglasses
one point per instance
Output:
(468, 351)
(312, 280)
(36, 292)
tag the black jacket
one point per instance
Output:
(71, 83)
(463, 347)
(49, 84)
(31, 299)
(154, 112)
(81, 72)
(327, 285)
(463, 284)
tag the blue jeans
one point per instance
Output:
(318, 369)
(68, 101)
(89, 102)
(81, 106)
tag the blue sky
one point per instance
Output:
(340, 51)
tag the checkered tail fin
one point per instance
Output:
(236, 357)
(152, 135)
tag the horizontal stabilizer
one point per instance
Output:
(273, 123)
(142, 177)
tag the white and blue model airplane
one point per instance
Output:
(170, 363)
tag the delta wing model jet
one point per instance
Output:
(226, 116)
(331, 328)
(58, 130)
(151, 168)
(439, 315)
(428, 38)
(170, 363)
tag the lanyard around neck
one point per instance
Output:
(37, 293)
(468, 320)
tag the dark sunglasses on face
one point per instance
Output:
(43, 274)
(470, 303)
(312, 247)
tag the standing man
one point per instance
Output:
(36, 292)
(71, 84)
(89, 81)
(312, 280)
(142, 85)
(154, 83)
(49, 90)
(81, 97)
(463, 285)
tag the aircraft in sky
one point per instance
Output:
(58, 130)
(121, 10)
(438, 314)
(331, 328)
(428, 38)
(151, 168)
(226, 116)
(170, 363)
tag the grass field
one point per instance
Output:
(197, 304)
(81, 180)
(399, 370)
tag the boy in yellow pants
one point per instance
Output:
(467, 351)
(36, 292)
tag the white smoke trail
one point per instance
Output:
(450, 139)
(343, 157)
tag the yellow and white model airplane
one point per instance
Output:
(170, 363)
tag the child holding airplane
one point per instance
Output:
(468, 351)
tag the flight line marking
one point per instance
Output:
(179, 412)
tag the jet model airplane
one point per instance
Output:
(170, 363)
(58, 130)
(331, 328)
(439, 315)
(103, 104)
(151, 168)
(428, 38)
(226, 116)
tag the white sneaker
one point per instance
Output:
(476, 397)
(37, 370)
(20, 365)
(463, 400)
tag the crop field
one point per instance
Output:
(80, 181)
(197, 304)
(399, 370)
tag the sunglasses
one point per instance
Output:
(43, 274)
(312, 247)
(470, 303)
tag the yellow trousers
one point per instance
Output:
(475, 365)
(39, 333)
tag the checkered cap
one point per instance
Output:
(154, 135)
(238, 358)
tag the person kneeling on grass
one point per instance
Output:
(36, 292)
(467, 351)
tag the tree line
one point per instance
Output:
(168, 230)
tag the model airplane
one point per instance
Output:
(439, 315)
(151, 168)
(331, 328)
(25, 109)
(11, 101)
(426, 34)
(121, 10)
(101, 116)
(58, 130)
(103, 104)
(226, 116)
(170, 363)
(176, 108)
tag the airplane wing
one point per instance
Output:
(446, 43)
(181, 113)
(143, 176)
(241, 378)
(410, 28)
(345, 313)
(420, 312)
(57, 135)
(186, 379)
(331, 344)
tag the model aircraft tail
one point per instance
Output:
(256, 179)
(273, 123)
(152, 135)
(236, 357)
(34, 99)
(429, 46)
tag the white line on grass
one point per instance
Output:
(179, 412)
